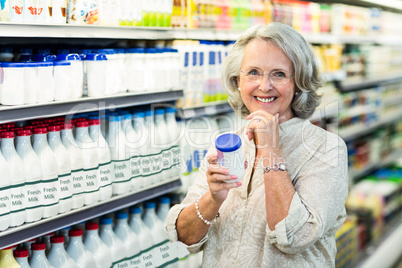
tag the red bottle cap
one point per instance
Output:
(23, 133)
(21, 253)
(94, 122)
(57, 239)
(75, 232)
(29, 127)
(38, 246)
(82, 124)
(10, 247)
(91, 226)
(7, 134)
(67, 126)
(53, 128)
(40, 130)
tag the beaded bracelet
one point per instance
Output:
(201, 217)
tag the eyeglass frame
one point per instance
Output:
(262, 74)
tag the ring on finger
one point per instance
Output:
(257, 120)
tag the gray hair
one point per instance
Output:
(306, 67)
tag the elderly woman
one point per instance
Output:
(286, 209)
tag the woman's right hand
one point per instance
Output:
(216, 175)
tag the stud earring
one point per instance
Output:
(238, 88)
(297, 93)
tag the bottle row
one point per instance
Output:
(55, 165)
(135, 236)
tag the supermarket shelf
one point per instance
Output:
(386, 251)
(28, 231)
(361, 129)
(363, 84)
(209, 108)
(87, 104)
(357, 174)
(334, 76)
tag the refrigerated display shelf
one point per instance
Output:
(354, 175)
(86, 104)
(16, 235)
(10, 29)
(205, 109)
(346, 86)
(359, 130)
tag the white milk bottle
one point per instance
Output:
(132, 152)
(64, 232)
(175, 135)
(154, 223)
(121, 165)
(143, 145)
(17, 176)
(91, 162)
(21, 256)
(162, 137)
(139, 227)
(108, 237)
(163, 208)
(50, 172)
(106, 173)
(33, 176)
(124, 232)
(38, 259)
(5, 200)
(76, 249)
(64, 166)
(96, 246)
(77, 165)
(27, 245)
(58, 256)
(154, 153)
(46, 239)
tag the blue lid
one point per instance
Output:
(95, 57)
(107, 51)
(139, 114)
(201, 58)
(123, 112)
(12, 64)
(194, 58)
(159, 50)
(31, 64)
(85, 51)
(93, 117)
(166, 49)
(114, 118)
(149, 113)
(186, 55)
(135, 210)
(93, 114)
(26, 58)
(211, 58)
(120, 215)
(61, 63)
(164, 200)
(149, 205)
(150, 50)
(228, 142)
(72, 56)
(44, 64)
(159, 111)
(44, 57)
(170, 110)
(130, 50)
(174, 50)
(105, 220)
(128, 116)
(66, 228)
(119, 50)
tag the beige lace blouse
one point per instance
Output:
(317, 165)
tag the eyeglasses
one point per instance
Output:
(276, 77)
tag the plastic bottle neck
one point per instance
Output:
(40, 140)
(7, 145)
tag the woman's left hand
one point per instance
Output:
(264, 129)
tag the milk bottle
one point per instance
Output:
(154, 153)
(138, 226)
(124, 232)
(33, 176)
(106, 172)
(77, 165)
(38, 259)
(50, 172)
(27, 245)
(162, 138)
(91, 162)
(58, 256)
(17, 176)
(76, 249)
(64, 166)
(5, 200)
(174, 139)
(132, 152)
(142, 131)
(108, 237)
(154, 223)
(163, 208)
(64, 232)
(121, 165)
(7, 259)
(46, 239)
(96, 246)
(21, 256)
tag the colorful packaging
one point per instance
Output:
(82, 12)
(4, 10)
